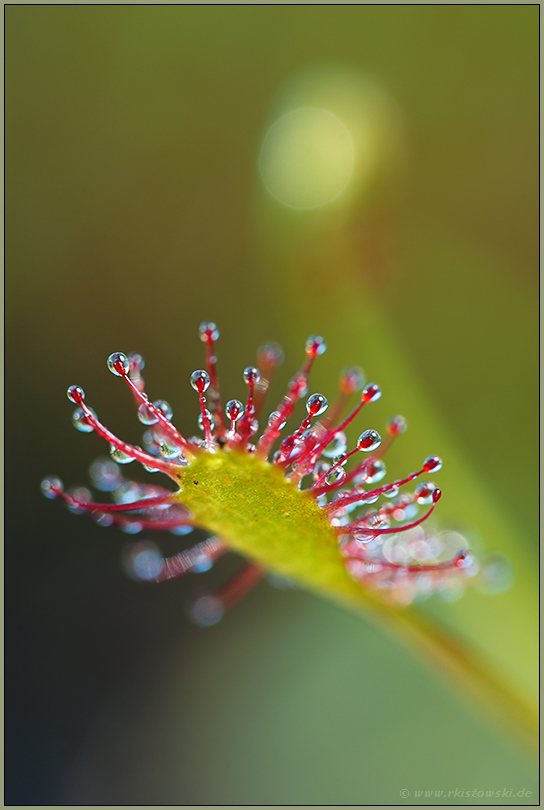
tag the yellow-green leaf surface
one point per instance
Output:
(263, 515)
(321, 277)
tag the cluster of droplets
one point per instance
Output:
(379, 530)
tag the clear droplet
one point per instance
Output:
(375, 472)
(181, 530)
(200, 380)
(105, 475)
(144, 562)
(118, 455)
(270, 355)
(51, 486)
(131, 527)
(337, 446)
(335, 476)
(234, 409)
(202, 563)
(316, 405)
(164, 407)
(103, 519)
(352, 379)
(369, 440)
(251, 375)
(496, 575)
(210, 420)
(169, 450)
(396, 425)
(424, 492)
(315, 345)
(75, 394)
(80, 420)
(118, 364)
(393, 492)
(136, 362)
(320, 469)
(371, 393)
(207, 610)
(146, 415)
(208, 331)
(432, 464)
(273, 421)
(81, 494)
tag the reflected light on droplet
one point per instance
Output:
(307, 158)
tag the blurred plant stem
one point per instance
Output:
(318, 278)
(502, 628)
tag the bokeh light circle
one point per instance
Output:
(307, 158)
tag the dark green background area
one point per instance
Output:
(134, 212)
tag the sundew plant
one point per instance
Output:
(288, 495)
(291, 503)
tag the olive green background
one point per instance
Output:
(134, 210)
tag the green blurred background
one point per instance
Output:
(134, 211)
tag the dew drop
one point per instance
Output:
(234, 409)
(432, 464)
(371, 393)
(496, 575)
(164, 407)
(75, 394)
(320, 468)
(144, 562)
(103, 519)
(251, 375)
(315, 345)
(146, 415)
(105, 475)
(424, 492)
(208, 332)
(369, 440)
(396, 425)
(270, 355)
(316, 405)
(298, 385)
(207, 610)
(393, 492)
(136, 362)
(352, 379)
(118, 455)
(375, 472)
(131, 527)
(169, 450)
(80, 420)
(200, 380)
(288, 445)
(52, 486)
(79, 494)
(335, 477)
(181, 530)
(210, 420)
(201, 564)
(337, 446)
(273, 421)
(118, 364)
